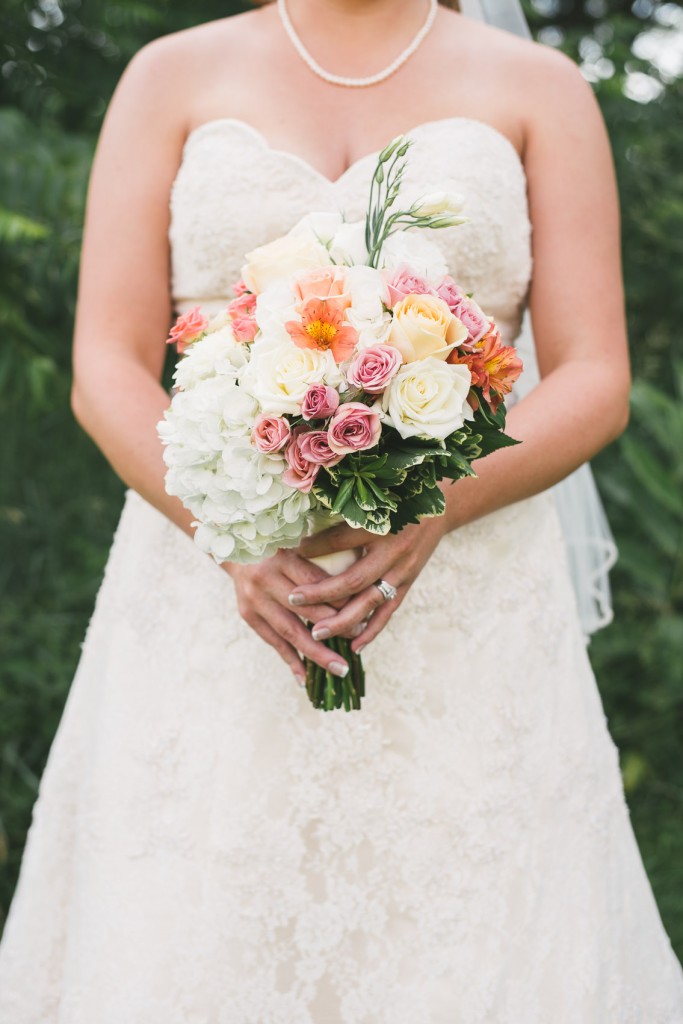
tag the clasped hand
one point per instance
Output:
(275, 596)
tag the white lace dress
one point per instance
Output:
(208, 849)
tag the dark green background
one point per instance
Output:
(59, 500)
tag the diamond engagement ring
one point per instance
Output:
(386, 590)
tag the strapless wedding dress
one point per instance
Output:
(208, 849)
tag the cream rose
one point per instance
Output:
(280, 375)
(423, 325)
(427, 399)
(284, 258)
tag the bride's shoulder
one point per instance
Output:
(217, 40)
(518, 81)
(176, 67)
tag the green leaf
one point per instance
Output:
(343, 495)
(364, 496)
(353, 514)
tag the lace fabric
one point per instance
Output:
(206, 848)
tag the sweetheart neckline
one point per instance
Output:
(333, 182)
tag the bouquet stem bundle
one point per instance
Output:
(329, 692)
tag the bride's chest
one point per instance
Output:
(233, 192)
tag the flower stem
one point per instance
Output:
(328, 692)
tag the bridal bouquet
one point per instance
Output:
(347, 378)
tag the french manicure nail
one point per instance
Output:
(296, 599)
(320, 633)
(338, 668)
(300, 680)
(360, 648)
(360, 628)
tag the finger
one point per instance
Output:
(293, 631)
(336, 538)
(300, 570)
(281, 588)
(285, 650)
(361, 575)
(376, 624)
(355, 612)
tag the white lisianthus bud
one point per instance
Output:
(448, 203)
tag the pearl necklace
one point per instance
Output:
(355, 82)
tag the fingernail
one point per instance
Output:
(360, 648)
(320, 633)
(360, 628)
(338, 668)
(300, 680)
(296, 599)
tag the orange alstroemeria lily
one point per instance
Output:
(494, 366)
(322, 326)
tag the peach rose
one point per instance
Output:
(422, 326)
(187, 328)
(322, 283)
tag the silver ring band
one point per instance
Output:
(388, 592)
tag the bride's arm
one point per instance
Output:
(123, 318)
(577, 309)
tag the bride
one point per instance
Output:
(206, 848)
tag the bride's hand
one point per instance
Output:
(262, 592)
(397, 558)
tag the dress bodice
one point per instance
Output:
(233, 191)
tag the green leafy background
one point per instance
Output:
(59, 500)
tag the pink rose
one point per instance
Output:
(373, 368)
(323, 283)
(187, 328)
(301, 472)
(354, 427)
(243, 305)
(404, 282)
(470, 315)
(241, 311)
(240, 288)
(314, 446)
(320, 401)
(244, 328)
(451, 293)
(270, 433)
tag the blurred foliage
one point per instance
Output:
(59, 500)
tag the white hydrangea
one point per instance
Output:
(244, 509)
(215, 354)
